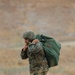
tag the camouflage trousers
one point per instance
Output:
(42, 73)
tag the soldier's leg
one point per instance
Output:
(43, 73)
(34, 73)
(39, 73)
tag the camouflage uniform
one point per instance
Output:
(37, 59)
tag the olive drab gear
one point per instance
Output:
(51, 48)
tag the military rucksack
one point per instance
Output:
(51, 49)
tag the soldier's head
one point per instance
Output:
(29, 36)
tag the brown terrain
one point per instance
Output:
(54, 18)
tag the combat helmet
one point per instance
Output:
(29, 35)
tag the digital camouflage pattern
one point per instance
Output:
(37, 59)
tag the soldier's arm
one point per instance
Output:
(24, 53)
(35, 47)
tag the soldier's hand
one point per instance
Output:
(35, 41)
(25, 47)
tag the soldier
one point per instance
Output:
(34, 51)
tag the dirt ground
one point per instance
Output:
(12, 64)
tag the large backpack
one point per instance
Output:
(51, 48)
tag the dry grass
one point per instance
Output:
(12, 64)
(51, 17)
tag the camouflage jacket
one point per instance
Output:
(37, 59)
